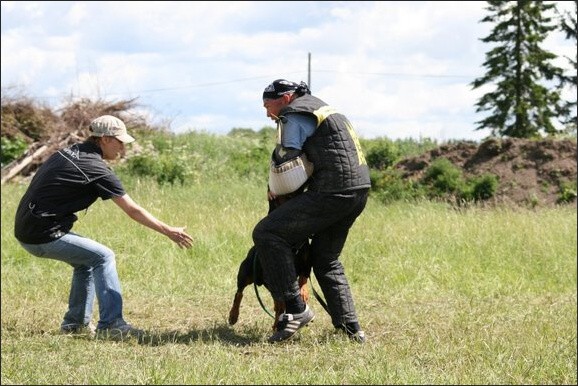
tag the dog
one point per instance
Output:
(250, 271)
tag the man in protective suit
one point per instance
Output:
(316, 147)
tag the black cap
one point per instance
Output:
(281, 87)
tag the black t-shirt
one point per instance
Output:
(70, 180)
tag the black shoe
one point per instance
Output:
(120, 332)
(358, 337)
(290, 323)
(78, 329)
(353, 334)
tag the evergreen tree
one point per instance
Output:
(568, 26)
(521, 105)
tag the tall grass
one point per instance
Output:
(446, 297)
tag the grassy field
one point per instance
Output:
(445, 296)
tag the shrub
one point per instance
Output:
(381, 154)
(12, 149)
(388, 186)
(480, 188)
(173, 169)
(253, 158)
(443, 177)
(411, 147)
(142, 165)
(567, 192)
(174, 165)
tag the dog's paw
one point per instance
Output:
(233, 317)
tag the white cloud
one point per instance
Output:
(395, 68)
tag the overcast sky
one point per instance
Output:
(396, 69)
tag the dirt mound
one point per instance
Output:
(530, 172)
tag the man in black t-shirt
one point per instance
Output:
(71, 180)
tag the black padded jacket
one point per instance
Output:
(334, 149)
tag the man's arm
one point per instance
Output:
(142, 216)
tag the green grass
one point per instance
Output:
(474, 296)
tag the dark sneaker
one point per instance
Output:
(78, 329)
(290, 323)
(358, 337)
(353, 332)
(121, 332)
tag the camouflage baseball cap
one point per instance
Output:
(109, 126)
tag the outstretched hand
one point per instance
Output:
(179, 236)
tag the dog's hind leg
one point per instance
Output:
(279, 308)
(234, 312)
(303, 266)
(244, 278)
(303, 288)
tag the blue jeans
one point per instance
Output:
(94, 273)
